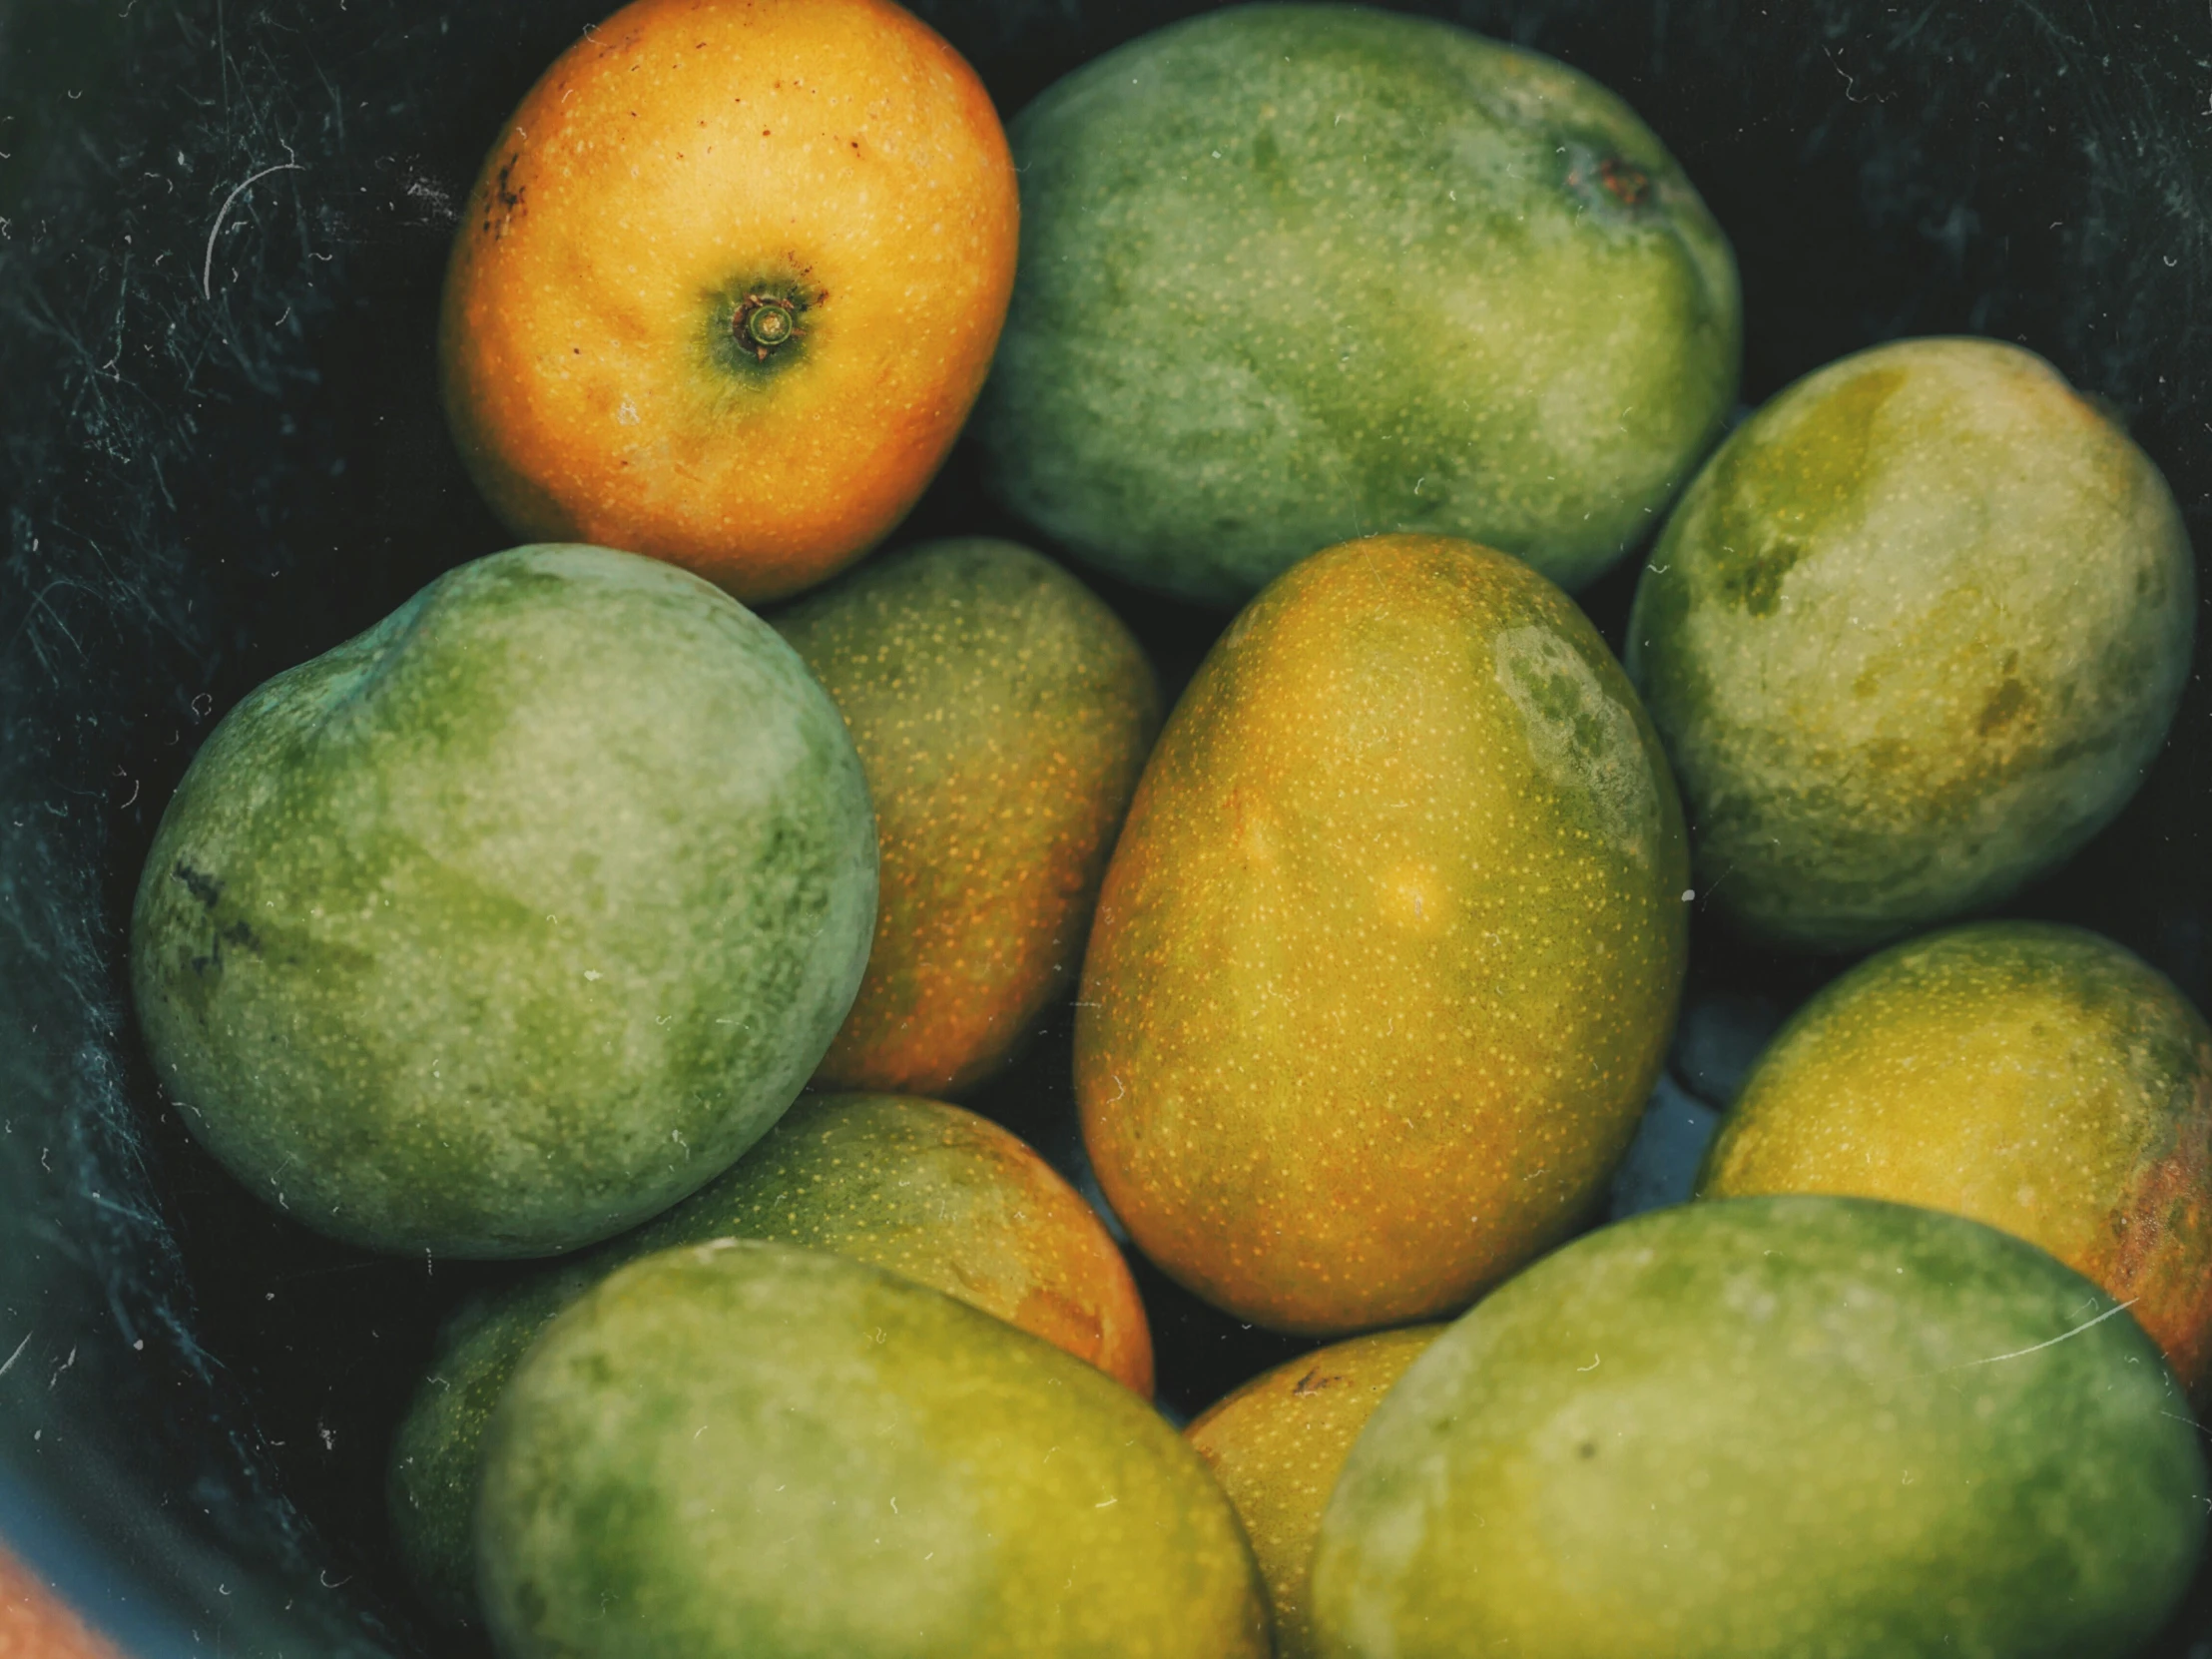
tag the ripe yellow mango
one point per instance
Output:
(1388, 955)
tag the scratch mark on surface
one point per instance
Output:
(2020, 1353)
(9, 1364)
(207, 268)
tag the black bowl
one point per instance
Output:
(221, 228)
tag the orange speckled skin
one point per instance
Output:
(1277, 1447)
(1389, 952)
(2035, 1078)
(679, 160)
(943, 1197)
(1001, 713)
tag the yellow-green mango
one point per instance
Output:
(1911, 637)
(1001, 713)
(1277, 1447)
(1776, 1426)
(1387, 955)
(2037, 1078)
(926, 1190)
(742, 1450)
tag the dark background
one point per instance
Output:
(221, 453)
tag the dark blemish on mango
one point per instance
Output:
(1754, 585)
(1314, 1382)
(1775, 496)
(2007, 703)
(207, 889)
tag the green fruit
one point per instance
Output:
(1911, 637)
(924, 1190)
(748, 1451)
(1772, 1425)
(513, 920)
(1277, 1447)
(1387, 955)
(1001, 713)
(2037, 1078)
(1292, 275)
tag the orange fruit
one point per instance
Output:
(727, 285)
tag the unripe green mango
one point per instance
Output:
(1295, 274)
(743, 1450)
(1389, 952)
(1001, 713)
(2037, 1078)
(922, 1189)
(1785, 1425)
(512, 921)
(1911, 636)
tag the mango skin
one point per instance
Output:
(1292, 275)
(1001, 713)
(513, 920)
(2037, 1078)
(926, 1190)
(1277, 1447)
(1772, 1425)
(1387, 959)
(1912, 637)
(742, 1450)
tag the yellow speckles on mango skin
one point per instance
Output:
(1377, 984)
(1277, 1445)
(2038, 1080)
(1911, 637)
(1001, 713)
(942, 1197)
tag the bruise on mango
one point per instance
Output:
(2037, 1078)
(1911, 637)
(1390, 948)
(1001, 713)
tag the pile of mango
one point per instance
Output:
(577, 912)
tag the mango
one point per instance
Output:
(916, 1186)
(1001, 713)
(513, 920)
(1388, 955)
(742, 1450)
(1292, 275)
(1911, 637)
(1277, 1445)
(2037, 1078)
(1772, 1425)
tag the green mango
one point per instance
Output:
(1911, 637)
(1001, 713)
(512, 921)
(1785, 1425)
(743, 1450)
(922, 1189)
(1292, 275)
(1389, 952)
